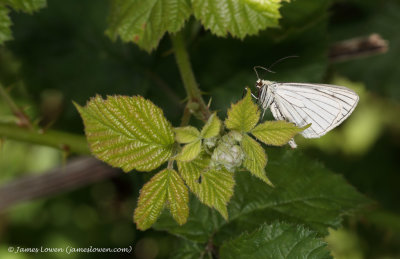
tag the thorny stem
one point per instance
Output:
(187, 75)
(23, 118)
(185, 117)
(61, 140)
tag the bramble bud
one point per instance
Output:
(210, 142)
(228, 153)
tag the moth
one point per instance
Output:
(321, 105)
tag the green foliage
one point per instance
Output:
(5, 24)
(80, 62)
(192, 136)
(145, 22)
(27, 6)
(127, 132)
(244, 115)
(188, 250)
(213, 187)
(186, 134)
(164, 186)
(278, 240)
(238, 18)
(212, 127)
(276, 133)
(177, 197)
(305, 193)
(255, 158)
(132, 133)
(190, 151)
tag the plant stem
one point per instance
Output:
(185, 117)
(23, 118)
(61, 140)
(187, 75)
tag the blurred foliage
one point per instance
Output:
(27, 6)
(283, 241)
(61, 53)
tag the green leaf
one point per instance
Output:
(190, 151)
(276, 133)
(201, 224)
(186, 134)
(213, 187)
(178, 197)
(305, 193)
(255, 158)
(5, 24)
(212, 127)
(244, 115)
(28, 6)
(145, 22)
(151, 200)
(278, 240)
(166, 185)
(188, 250)
(237, 17)
(127, 132)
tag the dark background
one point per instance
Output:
(60, 54)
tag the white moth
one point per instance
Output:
(324, 106)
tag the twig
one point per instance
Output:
(61, 140)
(358, 47)
(78, 172)
(23, 118)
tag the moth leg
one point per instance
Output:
(278, 116)
(262, 116)
(244, 93)
(292, 144)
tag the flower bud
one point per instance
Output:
(228, 153)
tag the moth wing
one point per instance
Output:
(324, 106)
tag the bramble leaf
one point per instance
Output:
(165, 185)
(188, 250)
(305, 193)
(5, 24)
(244, 115)
(151, 200)
(278, 240)
(186, 134)
(212, 127)
(145, 22)
(178, 197)
(237, 17)
(190, 151)
(276, 133)
(213, 187)
(127, 132)
(255, 158)
(27, 6)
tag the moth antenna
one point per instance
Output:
(281, 59)
(266, 69)
(209, 102)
